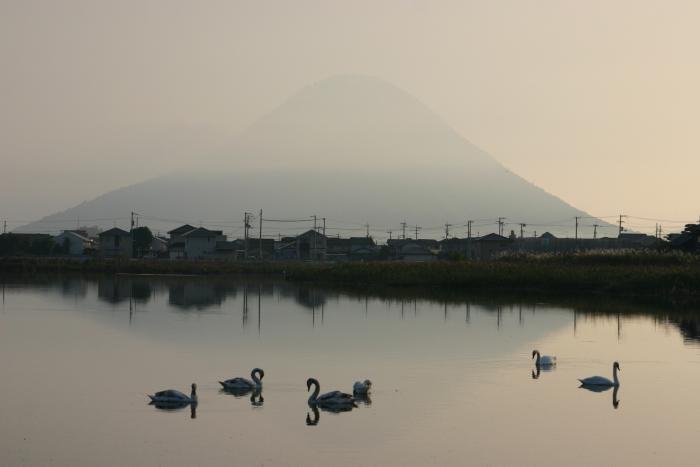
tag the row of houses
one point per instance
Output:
(190, 242)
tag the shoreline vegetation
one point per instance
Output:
(637, 275)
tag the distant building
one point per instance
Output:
(311, 245)
(688, 240)
(632, 240)
(177, 235)
(201, 243)
(73, 243)
(159, 246)
(489, 246)
(16, 244)
(116, 242)
(406, 249)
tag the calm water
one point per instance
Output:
(453, 382)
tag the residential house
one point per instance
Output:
(311, 245)
(489, 246)
(201, 243)
(405, 249)
(286, 249)
(12, 244)
(73, 243)
(159, 246)
(116, 242)
(688, 240)
(176, 241)
(455, 247)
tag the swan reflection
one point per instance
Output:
(538, 369)
(176, 406)
(256, 397)
(363, 399)
(598, 388)
(313, 418)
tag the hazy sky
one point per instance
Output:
(594, 101)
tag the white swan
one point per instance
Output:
(335, 400)
(601, 380)
(544, 360)
(172, 396)
(361, 387)
(243, 384)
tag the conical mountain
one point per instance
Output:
(355, 150)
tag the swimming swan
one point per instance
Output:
(335, 400)
(172, 396)
(361, 387)
(243, 384)
(544, 360)
(602, 381)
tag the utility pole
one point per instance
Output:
(621, 222)
(367, 231)
(4, 226)
(403, 230)
(132, 220)
(595, 231)
(246, 226)
(389, 232)
(469, 229)
(260, 238)
(576, 231)
(522, 226)
(314, 242)
(417, 229)
(500, 225)
(324, 226)
(447, 230)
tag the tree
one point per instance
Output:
(141, 239)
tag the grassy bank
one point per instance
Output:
(654, 275)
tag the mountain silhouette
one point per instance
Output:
(352, 149)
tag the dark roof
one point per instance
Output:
(115, 232)
(202, 232)
(181, 230)
(492, 237)
(362, 241)
(75, 234)
(226, 246)
(415, 249)
(28, 236)
(548, 235)
(311, 233)
(425, 242)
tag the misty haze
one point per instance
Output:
(368, 233)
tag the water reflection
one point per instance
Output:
(255, 395)
(312, 421)
(542, 368)
(593, 388)
(473, 348)
(176, 406)
(364, 399)
(256, 399)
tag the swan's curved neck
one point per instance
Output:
(615, 380)
(254, 376)
(537, 355)
(193, 394)
(314, 395)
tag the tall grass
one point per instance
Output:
(629, 273)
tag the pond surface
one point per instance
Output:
(453, 382)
